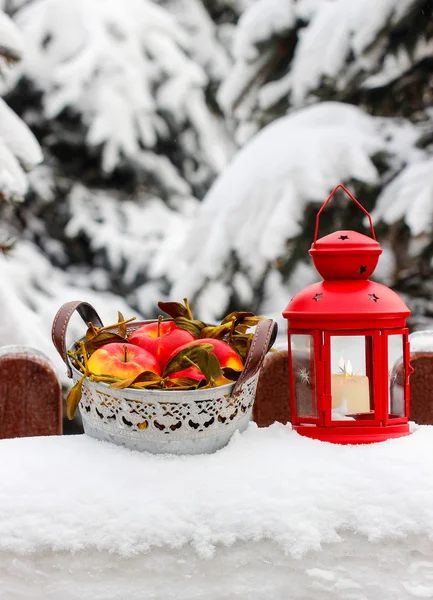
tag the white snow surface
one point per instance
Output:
(271, 515)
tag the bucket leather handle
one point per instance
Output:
(263, 339)
(60, 324)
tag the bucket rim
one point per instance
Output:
(162, 395)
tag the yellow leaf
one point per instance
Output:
(73, 398)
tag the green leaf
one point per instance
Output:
(73, 398)
(236, 316)
(203, 363)
(217, 332)
(242, 320)
(241, 343)
(91, 332)
(144, 379)
(185, 383)
(121, 327)
(186, 358)
(209, 365)
(215, 371)
(192, 325)
(174, 309)
(231, 374)
(102, 338)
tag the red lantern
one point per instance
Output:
(348, 345)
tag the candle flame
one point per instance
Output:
(349, 371)
(345, 367)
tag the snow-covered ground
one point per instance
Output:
(273, 515)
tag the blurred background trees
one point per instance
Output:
(187, 145)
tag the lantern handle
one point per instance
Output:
(365, 211)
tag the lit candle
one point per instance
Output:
(350, 391)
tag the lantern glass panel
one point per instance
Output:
(396, 376)
(351, 377)
(304, 375)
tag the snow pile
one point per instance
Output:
(271, 513)
(258, 202)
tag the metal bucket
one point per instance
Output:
(163, 421)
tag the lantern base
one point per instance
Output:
(353, 435)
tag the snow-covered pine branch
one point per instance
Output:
(19, 150)
(125, 236)
(11, 43)
(409, 198)
(255, 210)
(34, 292)
(131, 76)
(319, 48)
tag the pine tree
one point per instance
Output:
(31, 288)
(122, 99)
(299, 66)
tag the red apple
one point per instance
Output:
(161, 346)
(190, 373)
(122, 360)
(226, 355)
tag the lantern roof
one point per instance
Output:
(346, 304)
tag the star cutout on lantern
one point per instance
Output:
(373, 297)
(318, 297)
(362, 269)
(304, 376)
(343, 237)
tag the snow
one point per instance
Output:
(128, 233)
(408, 197)
(18, 138)
(324, 48)
(19, 150)
(264, 19)
(396, 65)
(271, 514)
(127, 73)
(421, 341)
(341, 45)
(33, 290)
(258, 202)
(11, 43)
(205, 47)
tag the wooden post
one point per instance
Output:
(30, 394)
